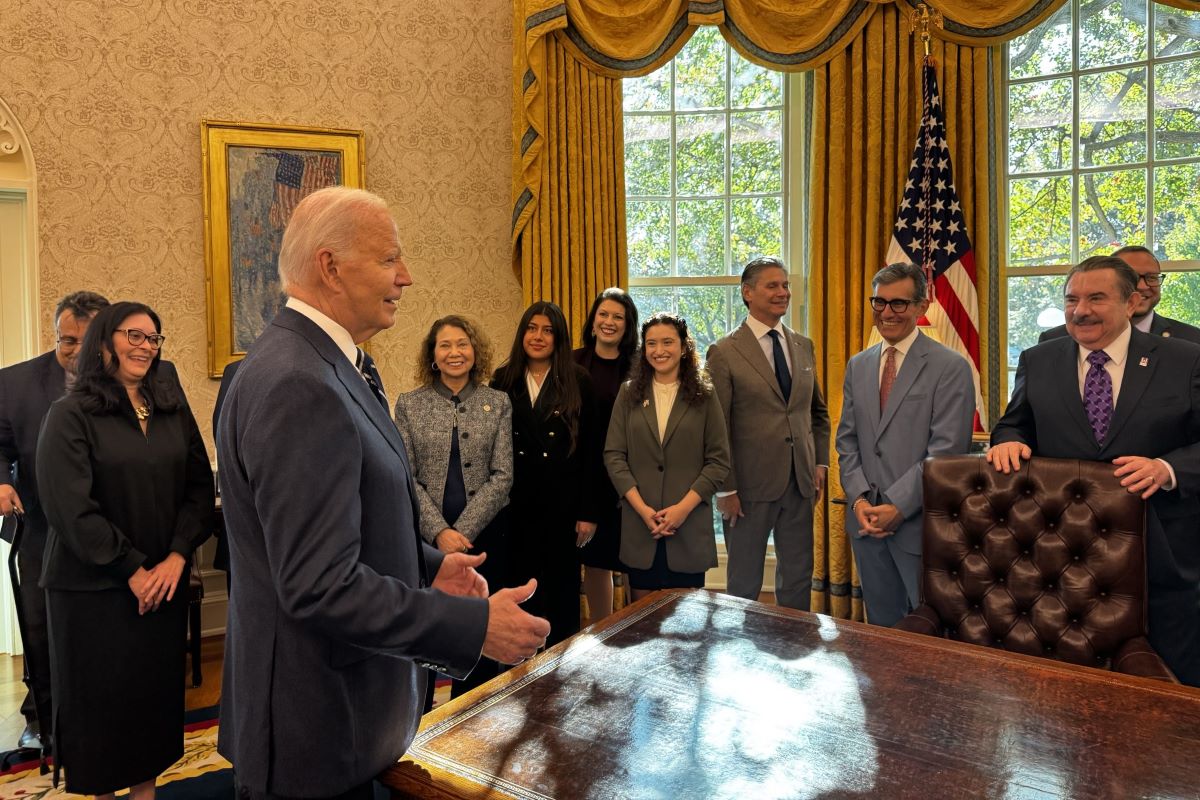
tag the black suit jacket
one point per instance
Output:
(1159, 326)
(1157, 416)
(26, 392)
(329, 624)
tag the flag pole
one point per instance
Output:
(920, 21)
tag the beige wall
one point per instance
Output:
(111, 94)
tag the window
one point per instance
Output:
(1103, 151)
(705, 182)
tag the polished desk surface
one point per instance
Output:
(701, 695)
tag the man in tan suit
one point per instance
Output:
(778, 438)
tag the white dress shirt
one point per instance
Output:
(1144, 324)
(902, 348)
(341, 337)
(760, 332)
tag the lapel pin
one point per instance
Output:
(1144, 362)
(1166, 334)
(487, 407)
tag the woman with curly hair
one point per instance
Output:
(666, 453)
(128, 493)
(610, 341)
(458, 433)
(555, 465)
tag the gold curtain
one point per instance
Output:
(866, 106)
(573, 243)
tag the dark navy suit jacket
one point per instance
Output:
(329, 624)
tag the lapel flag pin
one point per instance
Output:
(1145, 362)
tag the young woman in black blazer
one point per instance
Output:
(555, 474)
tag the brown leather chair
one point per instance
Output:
(1047, 561)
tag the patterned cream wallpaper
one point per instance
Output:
(111, 94)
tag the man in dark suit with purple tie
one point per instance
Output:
(1111, 393)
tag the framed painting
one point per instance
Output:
(254, 175)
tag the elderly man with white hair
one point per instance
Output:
(338, 608)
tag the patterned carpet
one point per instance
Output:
(200, 775)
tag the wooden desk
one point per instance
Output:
(698, 695)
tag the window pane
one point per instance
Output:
(1112, 211)
(1177, 109)
(1112, 117)
(1045, 50)
(1034, 305)
(648, 155)
(756, 229)
(1112, 33)
(700, 157)
(648, 93)
(753, 86)
(1039, 230)
(651, 300)
(708, 313)
(700, 237)
(756, 152)
(1175, 31)
(1181, 297)
(648, 234)
(1039, 128)
(1177, 212)
(700, 71)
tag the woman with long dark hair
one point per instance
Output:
(459, 439)
(610, 340)
(667, 452)
(552, 502)
(128, 492)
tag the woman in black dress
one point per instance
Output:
(552, 502)
(609, 343)
(128, 493)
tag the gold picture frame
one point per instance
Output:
(254, 174)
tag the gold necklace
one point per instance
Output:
(143, 412)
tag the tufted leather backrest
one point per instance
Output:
(1046, 561)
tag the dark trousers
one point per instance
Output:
(36, 639)
(1175, 631)
(367, 791)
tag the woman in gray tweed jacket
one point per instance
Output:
(459, 438)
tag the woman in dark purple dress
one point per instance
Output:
(609, 343)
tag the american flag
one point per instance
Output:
(930, 232)
(297, 176)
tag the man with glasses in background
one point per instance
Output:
(904, 399)
(1149, 292)
(26, 392)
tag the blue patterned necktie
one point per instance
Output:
(781, 369)
(366, 365)
(1098, 394)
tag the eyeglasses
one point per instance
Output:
(67, 342)
(898, 305)
(1152, 279)
(136, 337)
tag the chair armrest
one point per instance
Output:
(924, 620)
(1137, 657)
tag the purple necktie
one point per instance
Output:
(1098, 394)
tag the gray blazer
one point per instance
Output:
(426, 419)
(330, 626)
(694, 454)
(929, 412)
(768, 437)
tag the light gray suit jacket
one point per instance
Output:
(929, 412)
(330, 627)
(694, 454)
(426, 420)
(768, 437)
